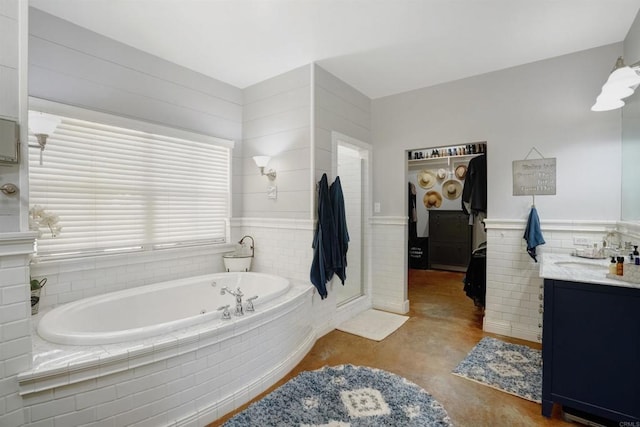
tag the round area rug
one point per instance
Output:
(345, 396)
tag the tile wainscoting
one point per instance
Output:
(15, 322)
(389, 261)
(514, 288)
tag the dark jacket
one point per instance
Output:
(475, 185)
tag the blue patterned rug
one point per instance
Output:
(344, 396)
(512, 368)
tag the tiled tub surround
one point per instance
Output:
(152, 310)
(71, 280)
(188, 377)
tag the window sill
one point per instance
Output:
(53, 266)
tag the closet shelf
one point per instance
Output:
(441, 159)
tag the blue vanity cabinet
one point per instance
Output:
(591, 349)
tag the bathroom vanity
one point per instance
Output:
(591, 339)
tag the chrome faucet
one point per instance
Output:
(238, 294)
(252, 243)
(250, 306)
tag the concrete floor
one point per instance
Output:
(444, 326)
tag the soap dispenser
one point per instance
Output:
(613, 266)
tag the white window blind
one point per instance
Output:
(116, 189)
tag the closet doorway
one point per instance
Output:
(446, 201)
(351, 164)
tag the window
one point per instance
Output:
(118, 189)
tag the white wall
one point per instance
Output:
(544, 105)
(276, 122)
(74, 66)
(15, 247)
(13, 29)
(341, 108)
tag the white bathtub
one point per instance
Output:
(156, 309)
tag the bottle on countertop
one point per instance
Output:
(613, 266)
(619, 266)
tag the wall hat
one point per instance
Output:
(442, 173)
(432, 199)
(426, 179)
(461, 171)
(452, 189)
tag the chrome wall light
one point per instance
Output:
(621, 83)
(42, 125)
(262, 162)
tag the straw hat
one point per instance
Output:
(442, 173)
(432, 199)
(426, 179)
(461, 172)
(452, 189)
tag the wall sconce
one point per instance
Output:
(621, 83)
(42, 125)
(261, 162)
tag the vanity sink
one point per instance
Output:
(580, 265)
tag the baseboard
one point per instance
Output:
(506, 329)
(402, 308)
(351, 309)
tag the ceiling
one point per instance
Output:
(380, 47)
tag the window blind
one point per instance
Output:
(117, 189)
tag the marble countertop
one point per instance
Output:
(576, 269)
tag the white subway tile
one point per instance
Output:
(112, 408)
(12, 419)
(77, 418)
(52, 408)
(95, 397)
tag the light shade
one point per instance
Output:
(606, 104)
(621, 83)
(42, 123)
(623, 76)
(615, 91)
(261, 161)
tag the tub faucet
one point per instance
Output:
(252, 243)
(238, 294)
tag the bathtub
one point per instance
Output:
(151, 310)
(201, 369)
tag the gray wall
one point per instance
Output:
(341, 108)
(74, 66)
(631, 133)
(545, 104)
(277, 120)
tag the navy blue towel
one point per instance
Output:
(325, 242)
(533, 234)
(340, 223)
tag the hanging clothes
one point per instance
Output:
(474, 193)
(412, 213)
(533, 233)
(325, 241)
(475, 280)
(340, 221)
